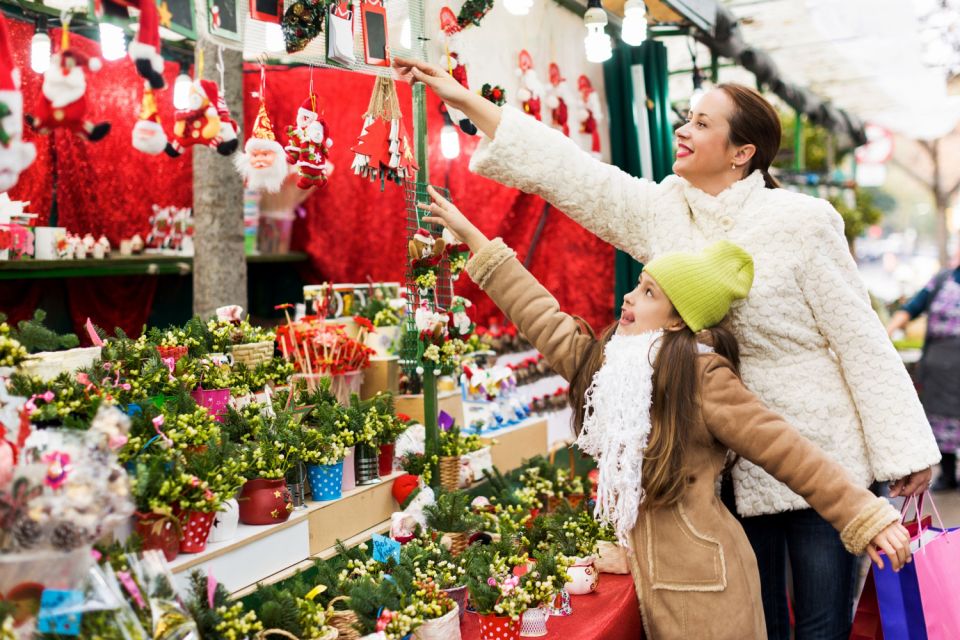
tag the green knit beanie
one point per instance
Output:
(702, 286)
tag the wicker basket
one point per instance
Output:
(253, 353)
(450, 472)
(342, 621)
(458, 542)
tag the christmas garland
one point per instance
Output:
(473, 11)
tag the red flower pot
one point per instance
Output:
(494, 627)
(265, 501)
(172, 352)
(386, 459)
(196, 529)
(158, 532)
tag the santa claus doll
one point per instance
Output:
(201, 123)
(15, 154)
(148, 135)
(557, 100)
(144, 49)
(308, 145)
(531, 89)
(63, 99)
(453, 60)
(262, 162)
(590, 114)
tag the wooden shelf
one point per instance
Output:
(121, 266)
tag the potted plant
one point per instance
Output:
(496, 594)
(155, 493)
(575, 534)
(452, 518)
(215, 474)
(440, 614)
(453, 445)
(433, 562)
(543, 581)
(359, 425)
(291, 607)
(390, 426)
(269, 453)
(385, 606)
(552, 483)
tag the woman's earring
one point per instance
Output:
(733, 166)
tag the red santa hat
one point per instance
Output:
(80, 59)
(263, 137)
(422, 235)
(405, 489)
(145, 48)
(212, 92)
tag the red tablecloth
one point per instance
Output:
(611, 613)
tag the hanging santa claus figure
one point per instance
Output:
(531, 89)
(308, 145)
(144, 49)
(262, 162)
(15, 154)
(590, 114)
(201, 123)
(452, 59)
(557, 95)
(148, 135)
(63, 97)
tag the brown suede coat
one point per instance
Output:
(694, 570)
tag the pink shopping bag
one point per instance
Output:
(937, 560)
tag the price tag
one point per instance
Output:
(59, 612)
(385, 548)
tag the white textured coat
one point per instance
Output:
(812, 347)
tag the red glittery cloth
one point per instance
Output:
(610, 613)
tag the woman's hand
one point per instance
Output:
(912, 485)
(893, 541)
(438, 80)
(443, 212)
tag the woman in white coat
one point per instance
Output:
(812, 348)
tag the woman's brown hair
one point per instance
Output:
(755, 122)
(676, 401)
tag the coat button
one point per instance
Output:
(726, 222)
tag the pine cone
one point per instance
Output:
(27, 532)
(68, 536)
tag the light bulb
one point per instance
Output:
(449, 142)
(597, 43)
(406, 38)
(518, 7)
(273, 36)
(40, 52)
(181, 91)
(634, 28)
(112, 44)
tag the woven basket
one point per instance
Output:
(450, 472)
(253, 353)
(458, 542)
(342, 621)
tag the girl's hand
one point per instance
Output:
(437, 79)
(443, 212)
(893, 541)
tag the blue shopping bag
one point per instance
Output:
(898, 598)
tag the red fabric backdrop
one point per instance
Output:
(351, 230)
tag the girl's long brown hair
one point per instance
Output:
(676, 402)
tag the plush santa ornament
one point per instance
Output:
(15, 154)
(531, 89)
(589, 114)
(262, 162)
(200, 123)
(308, 145)
(63, 99)
(148, 135)
(453, 60)
(460, 324)
(558, 94)
(144, 49)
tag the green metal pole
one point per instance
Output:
(799, 153)
(430, 404)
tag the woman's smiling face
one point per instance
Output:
(703, 143)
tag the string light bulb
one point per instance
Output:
(273, 37)
(597, 43)
(181, 88)
(112, 43)
(518, 7)
(634, 28)
(449, 142)
(698, 90)
(40, 48)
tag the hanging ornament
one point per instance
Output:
(148, 135)
(340, 33)
(63, 95)
(302, 22)
(452, 59)
(494, 93)
(531, 89)
(15, 154)
(144, 49)
(206, 120)
(590, 113)
(262, 162)
(473, 11)
(383, 149)
(557, 95)
(308, 144)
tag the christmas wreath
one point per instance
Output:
(473, 11)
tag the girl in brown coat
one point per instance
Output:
(659, 402)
